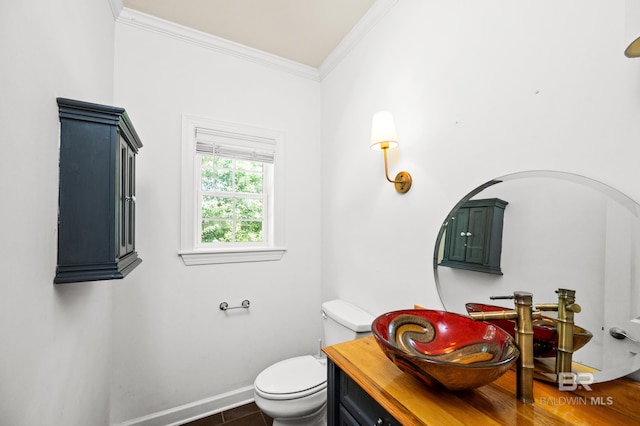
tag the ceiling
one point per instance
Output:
(304, 31)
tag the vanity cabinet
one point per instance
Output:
(474, 236)
(350, 405)
(365, 388)
(96, 200)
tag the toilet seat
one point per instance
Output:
(292, 378)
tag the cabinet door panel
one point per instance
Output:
(131, 201)
(458, 240)
(361, 406)
(346, 419)
(477, 229)
(123, 209)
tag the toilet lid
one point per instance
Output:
(292, 378)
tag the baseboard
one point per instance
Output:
(194, 410)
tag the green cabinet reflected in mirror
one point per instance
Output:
(474, 236)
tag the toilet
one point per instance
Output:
(294, 391)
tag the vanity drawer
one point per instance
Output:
(361, 409)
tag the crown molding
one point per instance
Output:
(166, 28)
(116, 8)
(377, 11)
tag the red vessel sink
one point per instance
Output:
(445, 349)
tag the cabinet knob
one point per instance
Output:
(465, 234)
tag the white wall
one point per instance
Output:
(478, 90)
(54, 340)
(172, 345)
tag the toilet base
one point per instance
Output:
(319, 418)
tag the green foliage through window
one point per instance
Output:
(232, 200)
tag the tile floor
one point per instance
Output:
(245, 415)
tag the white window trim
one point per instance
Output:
(189, 251)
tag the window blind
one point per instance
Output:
(233, 145)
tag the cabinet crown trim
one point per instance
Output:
(104, 114)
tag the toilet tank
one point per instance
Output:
(344, 321)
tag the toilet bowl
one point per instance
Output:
(294, 391)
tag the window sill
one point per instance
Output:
(210, 257)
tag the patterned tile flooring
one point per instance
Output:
(245, 415)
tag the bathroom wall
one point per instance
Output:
(478, 90)
(54, 340)
(172, 344)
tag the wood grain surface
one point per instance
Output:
(412, 402)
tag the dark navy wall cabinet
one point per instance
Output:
(97, 203)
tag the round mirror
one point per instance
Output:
(558, 230)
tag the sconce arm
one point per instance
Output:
(403, 180)
(386, 167)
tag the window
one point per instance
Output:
(231, 192)
(233, 195)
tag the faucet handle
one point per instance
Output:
(502, 297)
(494, 315)
(573, 307)
(547, 306)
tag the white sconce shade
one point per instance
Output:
(383, 131)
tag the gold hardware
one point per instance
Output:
(524, 315)
(566, 308)
(524, 341)
(383, 137)
(633, 51)
(403, 180)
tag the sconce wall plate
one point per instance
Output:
(403, 182)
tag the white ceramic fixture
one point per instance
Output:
(294, 391)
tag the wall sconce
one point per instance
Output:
(384, 137)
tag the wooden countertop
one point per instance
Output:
(413, 403)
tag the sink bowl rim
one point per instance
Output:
(509, 347)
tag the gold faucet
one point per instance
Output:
(524, 315)
(566, 308)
